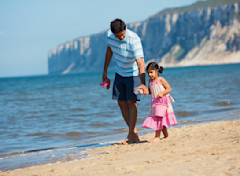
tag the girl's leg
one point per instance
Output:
(157, 136)
(165, 132)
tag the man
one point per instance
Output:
(125, 47)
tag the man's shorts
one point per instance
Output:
(123, 88)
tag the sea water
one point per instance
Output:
(45, 119)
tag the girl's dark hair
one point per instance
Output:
(117, 26)
(154, 66)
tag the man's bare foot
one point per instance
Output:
(131, 139)
(125, 141)
(136, 137)
(155, 139)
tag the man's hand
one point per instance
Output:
(140, 63)
(104, 76)
(144, 88)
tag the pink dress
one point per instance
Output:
(156, 122)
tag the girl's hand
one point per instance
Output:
(144, 89)
(140, 91)
(160, 95)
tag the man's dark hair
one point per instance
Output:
(117, 26)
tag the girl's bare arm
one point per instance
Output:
(167, 87)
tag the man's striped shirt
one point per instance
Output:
(125, 52)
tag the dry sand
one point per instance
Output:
(205, 149)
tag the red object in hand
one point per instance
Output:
(107, 83)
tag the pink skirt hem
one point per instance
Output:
(157, 123)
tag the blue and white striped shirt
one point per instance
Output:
(125, 53)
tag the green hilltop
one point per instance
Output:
(196, 6)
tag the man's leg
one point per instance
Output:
(124, 109)
(132, 114)
(129, 112)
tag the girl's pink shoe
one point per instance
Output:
(107, 83)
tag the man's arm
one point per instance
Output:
(142, 73)
(108, 58)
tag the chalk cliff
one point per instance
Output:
(201, 36)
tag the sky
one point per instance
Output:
(30, 28)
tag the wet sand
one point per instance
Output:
(203, 149)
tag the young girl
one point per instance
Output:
(160, 89)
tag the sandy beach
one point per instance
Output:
(204, 149)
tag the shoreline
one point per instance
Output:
(208, 148)
(30, 159)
